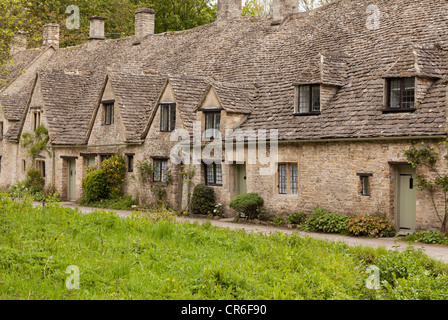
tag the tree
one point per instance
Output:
(436, 184)
(31, 16)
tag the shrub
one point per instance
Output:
(265, 215)
(114, 169)
(370, 226)
(430, 237)
(203, 200)
(34, 181)
(323, 221)
(248, 205)
(95, 186)
(296, 218)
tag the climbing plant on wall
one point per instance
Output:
(421, 155)
(36, 142)
(158, 189)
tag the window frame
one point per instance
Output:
(167, 122)
(365, 177)
(215, 175)
(310, 110)
(161, 177)
(36, 119)
(130, 162)
(2, 128)
(291, 185)
(39, 165)
(214, 114)
(108, 113)
(389, 108)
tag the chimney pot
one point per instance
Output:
(97, 28)
(282, 8)
(51, 35)
(229, 9)
(144, 22)
(18, 43)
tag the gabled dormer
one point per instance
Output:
(107, 126)
(224, 106)
(408, 79)
(317, 84)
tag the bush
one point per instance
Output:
(323, 221)
(95, 186)
(114, 169)
(203, 200)
(370, 226)
(34, 181)
(296, 218)
(248, 205)
(429, 237)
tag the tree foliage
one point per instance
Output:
(31, 16)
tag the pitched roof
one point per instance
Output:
(187, 91)
(137, 95)
(249, 50)
(235, 98)
(327, 69)
(69, 101)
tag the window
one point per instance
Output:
(105, 157)
(130, 162)
(1, 130)
(308, 99)
(36, 120)
(213, 174)
(40, 166)
(167, 117)
(108, 114)
(212, 124)
(365, 186)
(24, 165)
(89, 162)
(0, 164)
(160, 170)
(288, 178)
(401, 93)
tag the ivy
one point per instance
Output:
(37, 142)
(420, 155)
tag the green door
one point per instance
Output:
(240, 179)
(406, 199)
(71, 187)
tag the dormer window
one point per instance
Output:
(308, 99)
(36, 120)
(108, 113)
(401, 94)
(167, 117)
(212, 124)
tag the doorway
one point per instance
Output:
(240, 179)
(406, 199)
(71, 181)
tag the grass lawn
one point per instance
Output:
(150, 257)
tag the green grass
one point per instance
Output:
(116, 203)
(152, 257)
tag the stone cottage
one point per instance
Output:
(341, 90)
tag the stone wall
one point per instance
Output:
(328, 178)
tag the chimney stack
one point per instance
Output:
(18, 43)
(51, 35)
(229, 9)
(282, 8)
(97, 28)
(144, 22)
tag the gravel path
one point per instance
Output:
(437, 252)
